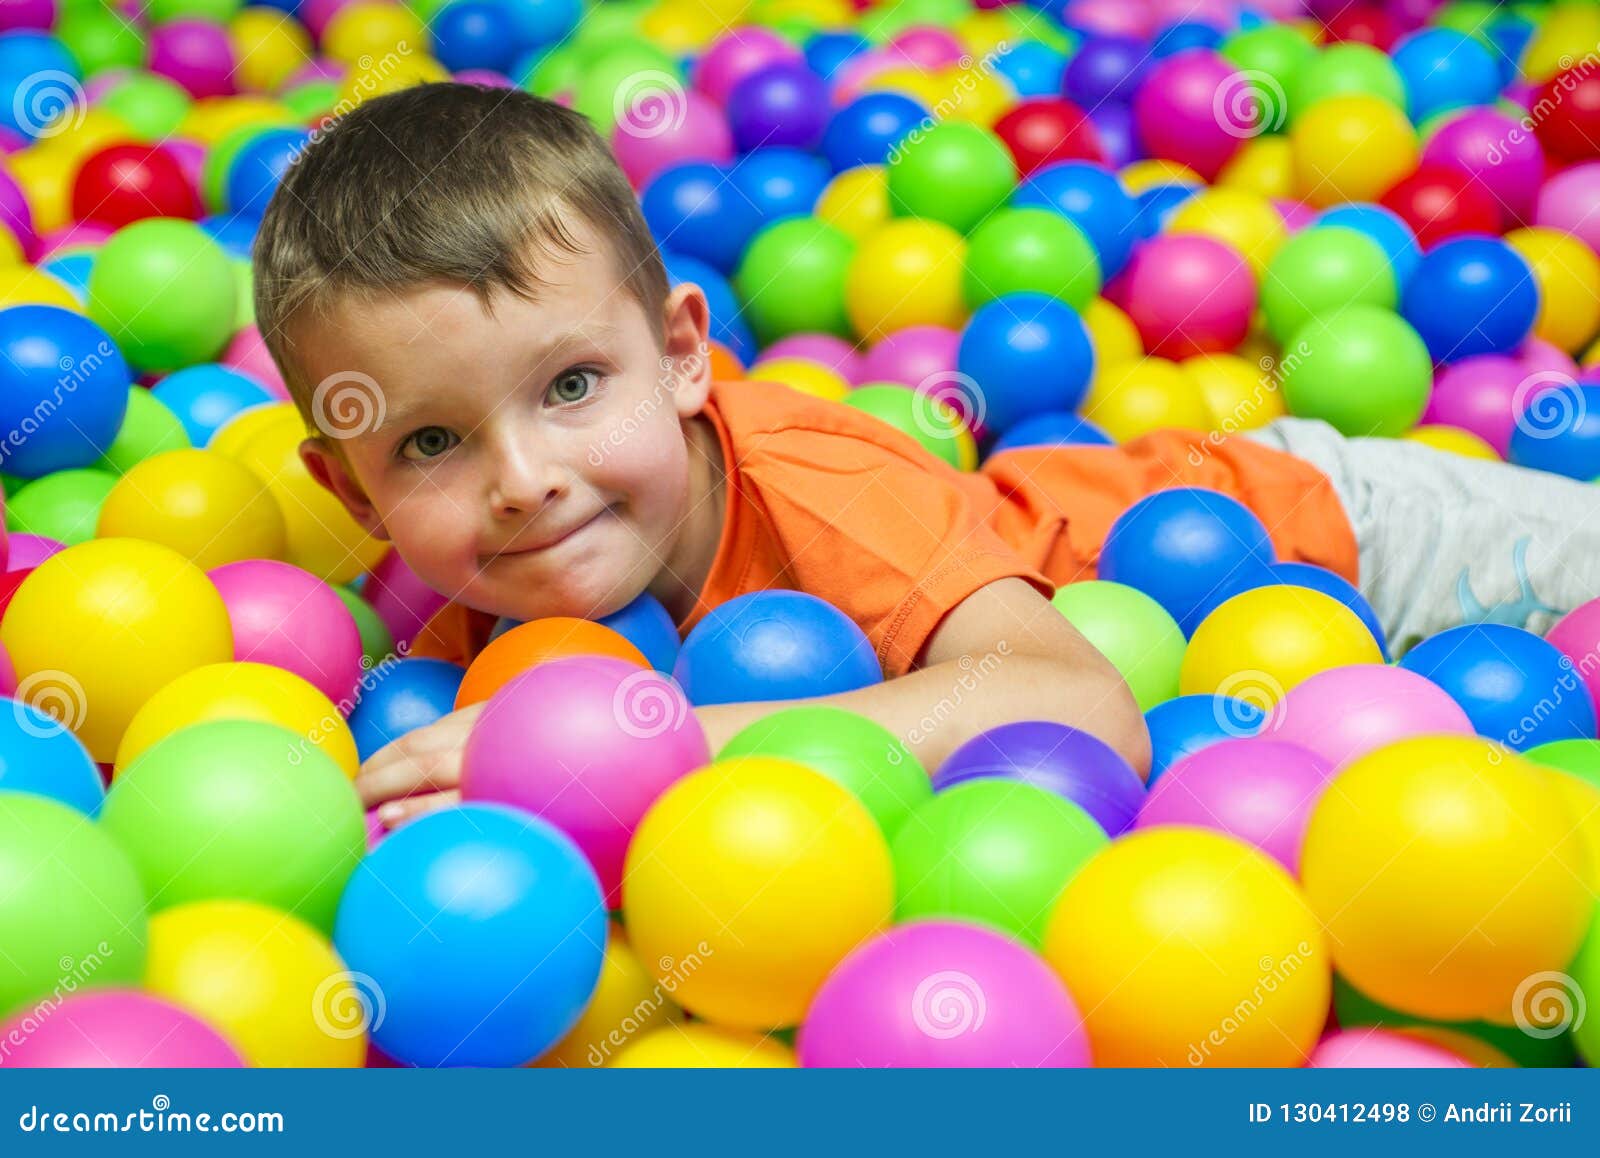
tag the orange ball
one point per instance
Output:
(725, 367)
(535, 642)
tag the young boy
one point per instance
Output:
(464, 299)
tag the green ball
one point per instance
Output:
(1132, 630)
(1585, 973)
(148, 428)
(557, 72)
(1319, 271)
(613, 80)
(792, 278)
(72, 910)
(244, 290)
(1271, 58)
(212, 11)
(1023, 250)
(312, 99)
(165, 292)
(884, 22)
(219, 159)
(64, 505)
(1470, 18)
(377, 644)
(1579, 757)
(151, 106)
(605, 25)
(994, 851)
(953, 172)
(426, 10)
(12, 483)
(239, 809)
(1350, 70)
(1362, 369)
(934, 424)
(853, 751)
(98, 40)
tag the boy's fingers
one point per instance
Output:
(399, 811)
(428, 757)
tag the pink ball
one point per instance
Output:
(1345, 712)
(404, 602)
(825, 350)
(114, 1029)
(928, 46)
(81, 235)
(1497, 152)
(8, 673)
(195, 53)
(1577, 636)
(1570, 202)
(101, 83)
(12, 141)
(289, 618)
(375, 829)
(25, 551)
(588, 743)
(487, 77)
(942, 994)
(40, 14)
(1297, 215)
(851, 79)
(736, 55)
(248, 354)
(665, 127)
(1176, 111)
(1541, 357)
(1480, 394)
(318, 68)
(315, 15)
(912, 355)
(17, 216)
(1108, 17)
(1187, 295)
(1369, 1048)
(191, 158)
(1261, 791)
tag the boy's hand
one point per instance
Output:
(418, 772)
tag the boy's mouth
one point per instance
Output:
(546, 541)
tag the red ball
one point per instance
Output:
(1048, 130)
(1359, 24)
(9, 582)
(1571, 129)
(121, 184)
(1440, 202)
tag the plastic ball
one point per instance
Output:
(1175, 110)
(538, 641)
(1344, 713)
(116, 1028)
(1361, 369)
(124, 183)
(1567, 273)
(1134, 398)
(1022, 355)
(1239, 394)
(1577, 635)
(470, 34)
(780, 182)
(1093, 199)
(1483, 395)
(784, 103)
(1053, 428)
(1559, 430)
(46, 349)
(907, 273)
(702, 1046)
(195, 53)
(856, 201)
(1247, 223)
(1471, 295)
(1349, 69)
(1322, 270)
(793, 279)
(64, 506)
(935, 424)
(152, 106)
(164, 292)
(1043, 132)
(1350, 148)
(1263, 168)
(1439, 202)
(1490, 146)
(1366, 1048)
(1272, 57)
(269, 48)
(691, 205)
(1187, 724)
(1444, 69)
(1569, 116)
(1030, 251)
(206, 507)
(670, 128)
(401, 697)
(256, 170)
(737, 54)
(647, 625)
(1106, 68)
(802, 375)
(290, 619)
(1452, 440)
(40, 755)
(627, 1005)
(1130, 629)
(954, 173)
(1568, 202)
(1187, 295)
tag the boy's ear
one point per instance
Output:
(328, 467)
(686, 347)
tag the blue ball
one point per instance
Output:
(828, 52)
(24, 52)
(402, 697)
(1157, 204)
(541, 23)
(1021, 355)
(1320, 579)
(1182, 546)
(1510, 36)
(1106, 68)
(1515, 687)
(1182, 726)
(692, 209)
(484, 929)
(40, 755)
(647, 625)
(866, 129)
(63, 390)
(1559, 431)
(1385, 227)
(205, 397)
(727, 322)
(782, 104)
(1057, 428)
(475, 34)
(1034, 69)
(1095, 201)
(1119, 136)
(780, 182)
(774, 645)
(72, 270)
(235, 232)
(256, 170)
(1444, 69)
(1184, 35)
(1471, 295)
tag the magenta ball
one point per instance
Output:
(1108, 17)
(1260, 791)
(1541, 357)
(1297, 215)
(1367, 1048)
(1570, 202)
(318, 68)
(1175, 111)
(736, 55)
(836, 354)
(404, 602)
(928, 46)
(667, 127)
(1576, 635)
(375, 829)
(195, 53)
(851, 79)
(8, 673)
(588, 743)
(1497, 153)
(1480, 394)
(1187, 295)
(40, 14)
(17, 215)
(82, 235)
(942, 994)
(191, 158)
(248, 354)
(316, 14)
(912, 355)
(25, 551)
(114, 1029)
(487, 77)
(289, 618)
(1345, 712)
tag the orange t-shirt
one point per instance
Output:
(826, 499)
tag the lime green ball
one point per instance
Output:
(1579, 757)
(239, 809)
(12, 483)
(1021, 250)
(792, 279)
(1585, 974)
(935, 425)
(1350, 70)
(98, 40)
(72, 910)
(64, 506)
(165, 292)
(377, 644)
(1468, 17)
(1355, 1008)
(604, 25)
(1271, 58)
(213, 11)
(148, 428)
(1132, 630)
(245, 291)
(953, 172)
(1362, 369)
(558, 72)
(612, 81)
(426, 10)
(884, 23)
(219, 159)
(151, 106)
(1318, 271)
(314, 98)
(858, 753)
(994, 851)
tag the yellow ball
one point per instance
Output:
(856, 201)
(975, 96)
(1568, 275)
(1265, 167)
(1239, 394)
(202, 504)
(1153, 171)
(389, 73)
(242, 691)
(10, 247)
(1350, 148)
(99, 628)
(628, 1003)
(985, 32)
(322, 537)
(269, 982)
(26, 285)
(1133, 398)
(680, 26)
(209, 119)
(826, 13)
(1245, 222)
(1582, 802)
(763, 873)
(1453, 439)
(238, 430)
(46, 180)
(1112, 334)
(78, 133)
(929, 90)
(363, 33)
(1189, 948)
(908, 273)
(1447, 871)
(1565, 34)
(699, 1046)
(803, 375)
(268, 46)
(1260, 644)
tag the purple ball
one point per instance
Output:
(735, 56)
(195, 53)
(1063, 760)
(1494, 150)
(913, 356)
(783, 104)
(318, 68)
(836, 354)
(1105, 69)
(1480, 394)
(1570, 202)
(39, 14)
(1119, 138)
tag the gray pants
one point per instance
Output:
(1447, 540)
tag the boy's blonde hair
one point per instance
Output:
(441, 182)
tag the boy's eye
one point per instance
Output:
(572, 386)
(429, 442)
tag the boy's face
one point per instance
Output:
(529, 463)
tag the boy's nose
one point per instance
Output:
(524, 481)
